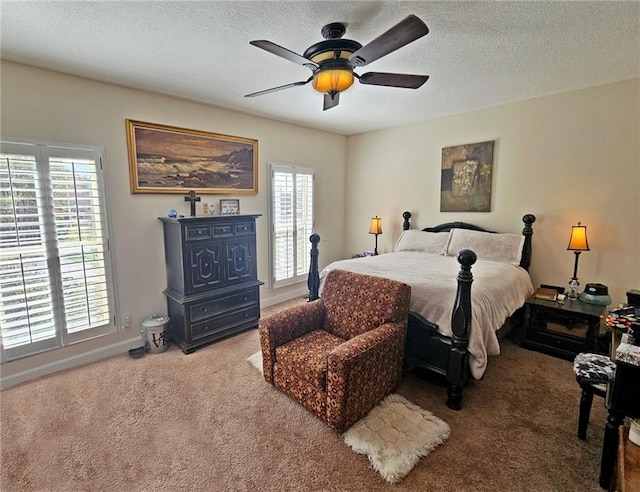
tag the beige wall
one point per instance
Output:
(44, 105)
(565, 158)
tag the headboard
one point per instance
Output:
(527, 232)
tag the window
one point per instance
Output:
(291, 223)
(55, 268)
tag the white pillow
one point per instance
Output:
(506, 248)
(427, 242)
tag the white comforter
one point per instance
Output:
(498, 290)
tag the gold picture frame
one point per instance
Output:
(169, 159)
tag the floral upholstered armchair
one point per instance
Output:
(341, 354)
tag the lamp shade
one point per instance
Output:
(376, 225)
(578, 239)
(332, 80)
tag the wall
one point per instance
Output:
(44, 105)
(565, 158)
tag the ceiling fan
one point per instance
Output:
(333, 60)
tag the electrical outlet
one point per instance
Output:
(126, 320)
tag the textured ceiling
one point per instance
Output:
(478, 54)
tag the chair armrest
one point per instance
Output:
(284, 326)
(362, 371)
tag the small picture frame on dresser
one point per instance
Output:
(229, 206)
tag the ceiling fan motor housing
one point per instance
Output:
(335, 71)
(342, 48)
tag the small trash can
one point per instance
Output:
(154, 333)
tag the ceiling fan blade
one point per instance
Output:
(404, 80)
(331, 101)
(284, 53)
(279, 88)
(403, 33)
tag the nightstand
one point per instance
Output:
(562, 330)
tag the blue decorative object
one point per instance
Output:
(172, 213)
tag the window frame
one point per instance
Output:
(293, 170)
(43, 151)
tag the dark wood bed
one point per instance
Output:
(426, 348)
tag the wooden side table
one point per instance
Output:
(627, 473)
(561, 329)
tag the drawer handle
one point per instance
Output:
(206, 264)
(246, 315)
(199, 232)
(246, 298)
(205, 310)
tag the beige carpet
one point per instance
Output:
(205, 422)
(393, 436)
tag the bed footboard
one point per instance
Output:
(458, 363)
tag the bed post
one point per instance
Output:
(313, 281)
(458, 364)
(406, 225)
(527, 232)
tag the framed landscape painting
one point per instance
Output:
(467, 172)
(167, 159)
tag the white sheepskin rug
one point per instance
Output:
(394, 435)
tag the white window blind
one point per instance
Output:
(55, 282)
(291, 205)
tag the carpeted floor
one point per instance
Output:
(209, 422)
(394, 435)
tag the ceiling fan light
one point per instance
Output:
(332, 80)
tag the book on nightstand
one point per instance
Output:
(545, 294)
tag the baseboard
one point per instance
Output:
(272, 300)
(70, 362)
(111, 350)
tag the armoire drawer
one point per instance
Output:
(197, 232)
(225, 322)
(211, 307)
(245, 228)
(223, 230)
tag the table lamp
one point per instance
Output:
(376, 228)
(577, 243)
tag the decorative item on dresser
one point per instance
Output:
(212, 286)
(229, 207)
(440, 337)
